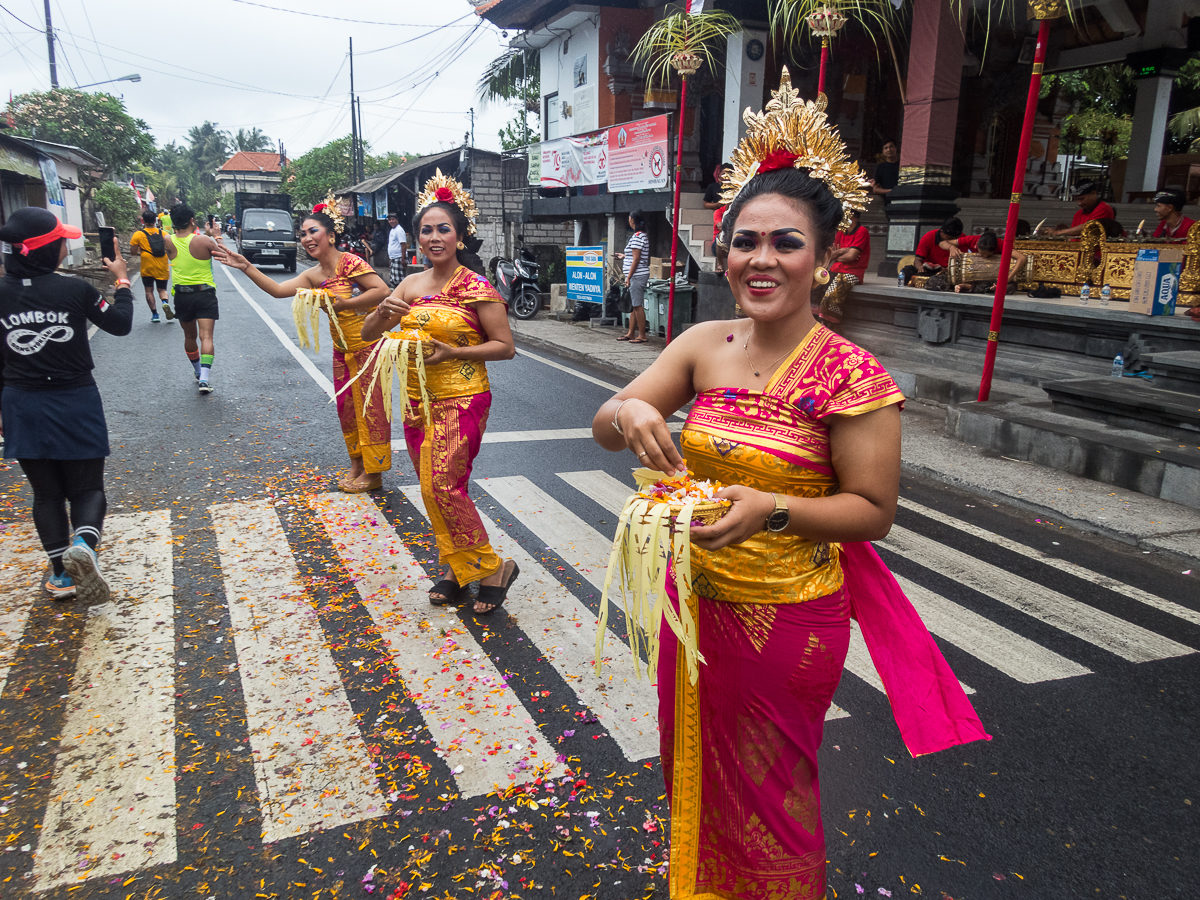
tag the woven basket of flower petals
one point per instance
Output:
(677, 491)
(416, 338)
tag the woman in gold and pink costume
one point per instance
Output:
(805, 428)
(455, 305)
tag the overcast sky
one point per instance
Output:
(280, 65)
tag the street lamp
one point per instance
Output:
(134, 77)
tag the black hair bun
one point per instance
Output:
(472, 243)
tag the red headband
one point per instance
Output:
(59, 231)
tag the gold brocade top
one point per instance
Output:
(778, 440)
(451, 318)
(342, 287)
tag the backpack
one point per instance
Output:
(158, 247)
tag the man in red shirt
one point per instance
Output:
(1172, 223)
(851, 256)
(931, 255)
(1091, 209)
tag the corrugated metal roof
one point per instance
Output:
(375, 182)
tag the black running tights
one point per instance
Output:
(57, 483)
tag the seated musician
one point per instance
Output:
(933, 250)
(987, 246)
(1172, 223)
(1091, 209)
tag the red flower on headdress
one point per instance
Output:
(320, 207)
(444, 195)
(777, 159)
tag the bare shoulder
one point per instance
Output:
(703, 336)
(415, 286)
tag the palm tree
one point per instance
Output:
(252, 141)
(515, 77)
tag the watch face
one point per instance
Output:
(778, 520)
(754, 49)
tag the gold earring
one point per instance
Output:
(332, 241)
(822, 275)
(461, 245)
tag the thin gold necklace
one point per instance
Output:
(754, 368)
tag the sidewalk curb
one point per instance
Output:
(1058, 517)
(567, 353)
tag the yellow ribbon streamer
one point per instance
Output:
(306, 312)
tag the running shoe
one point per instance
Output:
(154, 319)
(83, 566)
(60, 587)
(167, 311)
(205, 387)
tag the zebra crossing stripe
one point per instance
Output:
(562, 628)
(581, 545)
(1013, 654)
(1125, 639)
(112, 799)
(22, 565)
(478, 724)
(311, 764)
(1063, 565)
(573, 539)
(858, 662)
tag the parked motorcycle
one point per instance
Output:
(517, 282)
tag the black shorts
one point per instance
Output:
(160, 283)
(191, 305)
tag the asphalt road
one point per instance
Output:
(271, 709)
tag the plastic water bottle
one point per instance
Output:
(1118, 366)
(900, 280)
(1084, 293)
(1105, 295)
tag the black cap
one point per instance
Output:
(1087, 187)
(33, 222)
(1175, 198)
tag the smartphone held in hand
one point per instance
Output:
(108, 242)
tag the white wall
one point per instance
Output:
(558, 74)
(68, 171)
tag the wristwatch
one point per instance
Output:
(779, 517)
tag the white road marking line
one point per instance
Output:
(1014, 655)
(112, 800)
(1120, 587)
(476, 721)
(596, 381)
(1125, 639)
(307, 364)
(563, 629)
(22, 566)
(582, 546)
(311, 764)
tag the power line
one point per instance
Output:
(19, 19)
(103, 61)
(299, 12)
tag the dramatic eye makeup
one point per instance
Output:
(781, 239)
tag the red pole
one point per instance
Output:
(675, 209)
(824, 60)
(1014, 209)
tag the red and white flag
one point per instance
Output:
(136, 192)
(695, 6)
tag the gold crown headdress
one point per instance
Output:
(329, 206)
(791, 132)
(445, 189)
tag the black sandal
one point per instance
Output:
(450, 591)
(494, 594)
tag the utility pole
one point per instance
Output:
(50, 47)
(362, 145)
(353, 119)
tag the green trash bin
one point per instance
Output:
(658, 293)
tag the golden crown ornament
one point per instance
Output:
(444, 189)
(794, 133)
(329, 206)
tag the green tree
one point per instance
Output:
(389, 160)
(310, 177)
(514, 78)
(252, 141)
(97, 123)
(119, 205)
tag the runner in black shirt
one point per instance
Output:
(53, 419)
